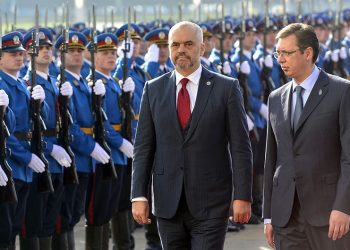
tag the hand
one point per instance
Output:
(244, 68)
(241, 211)
(4, 98)
(38, 93)
(268, 62)
(264, 111)
(328, 55)
(61, 156)
(250, 123)
(338, 224)
(66, 89)
(268, 231)
(140, 212)
(121, 49)
(343, 53)
(128, 86)
(152, 54)
(3, 177)
(99, 154)
(226, 68)
(99, 88)
(127, 148)
(335, 55)
(36, 164)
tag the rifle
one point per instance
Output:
(14, 18)
(44, 178)
(242, 78)
(8, 192)
(283, 77)
(265, 76)
(108, 170)
(222, 37)
(128, 113)
(70, 175)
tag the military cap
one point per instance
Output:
(134, 32)
(206, 29)
(249, 25)
(346, 14)
(78, 26)
(45, 37)
(217, 27)
(12, 42)
(105, 41)
(23, 31)
(261, 24)
(157, 36)
(77, 40)
(87, 32)
(111, 29)
(144, 29)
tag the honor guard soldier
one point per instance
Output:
(43, 208)
(5, 207)
(140, 59)
(85, 70)
(251, 69)
(221, 54)
(85, 149)
(103, 197)
(157, 55)
(21, 160)
(208, 47)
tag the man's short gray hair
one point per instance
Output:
(195, 27)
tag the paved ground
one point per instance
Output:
(251, 238)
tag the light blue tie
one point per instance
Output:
(298, 106)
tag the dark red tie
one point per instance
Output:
(183, 104)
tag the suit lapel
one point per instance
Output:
(286, 105)
(171, 89)
(317, 93)
(204, 89)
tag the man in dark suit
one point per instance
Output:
(307, 165)
(193, 142)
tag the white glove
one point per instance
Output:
(226, 69)
(128, 86)
(244, 68)
(99, 88)
(268, 62)
(263, 111)
(342, 54)
(36, 164)
(335, 55)
(99, 154)
(121, 49)
(61, 156)
(250, 123)
(38, 93)
(328, 55)
(152, 54)
(3, 177)
(66, 89)
(4, 98)
(127, 148)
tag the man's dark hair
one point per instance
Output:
(306, 37)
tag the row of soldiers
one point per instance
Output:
(242, 50)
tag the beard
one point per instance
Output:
(183, 64)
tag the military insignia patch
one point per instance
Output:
(76, 83)
(161, 35)
(75, 39)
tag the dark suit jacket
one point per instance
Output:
(315, 161)
(215, 152)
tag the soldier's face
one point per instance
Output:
(45, 55)
(163, 53)
(249, 40)
(105, 60)
(185, 49)
(11, 61)
(228, 42)
(208, 44)
(74, 58)
(136, 50)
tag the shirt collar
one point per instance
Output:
(310, 81)
(42, 74)
(77, 77)
(87, 61)
(247, 54)
(205, 60)
(14, 78)
(194, 77)
(105, 76)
